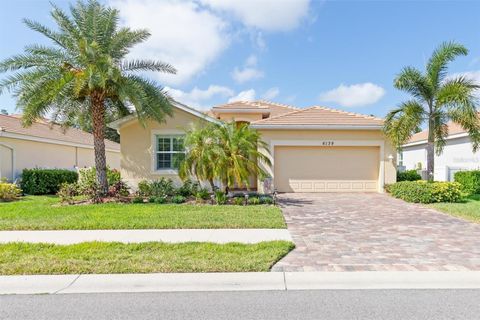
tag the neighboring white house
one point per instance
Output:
(46, 145)
(457, 154)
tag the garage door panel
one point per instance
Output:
(326, 169)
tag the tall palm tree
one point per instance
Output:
(436, 99)
(85, 70)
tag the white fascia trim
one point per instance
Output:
(47, 140)
(251, 110)
(453, 136)
(313, 127)
(118, 123)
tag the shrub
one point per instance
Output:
(409, 175)
(157, 188)
(238, 201)
(178, 199)
(220, 197)
(254, 200)
(118, 189)
(470, 181)
(188, 188)
(426, 192)
(137, 200)
(160, 200)
(9, 191)
(67, 192)
(46, 181)
(202, 194)
(266, 199)
(87, 180)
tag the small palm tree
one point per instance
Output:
(436, 99)
(239, 155)
(225, 152)
(202, 154)
(85, 72)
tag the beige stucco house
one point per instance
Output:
(314, 149)
(44, 145)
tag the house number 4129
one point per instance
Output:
(327, 143)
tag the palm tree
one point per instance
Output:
(239, 154)
(85, 71)
(436, 99)
(202, 154)
(226, 152)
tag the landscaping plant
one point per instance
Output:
(46, 181)
(436, 99)
(469, 180)
(220, 197)
(408, 175)
(426, 192)
(178, 199)
(253, 200)
(67, 192)
(238, 201)
(85, 70)
(9, 191)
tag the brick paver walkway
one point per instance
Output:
(371, 232)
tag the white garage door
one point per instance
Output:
(326, 169)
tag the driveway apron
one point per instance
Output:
(374, 232)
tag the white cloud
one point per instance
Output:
(471, 75)
(269, 15)
(183, 34)
(271, 93)
(199, 98)
(247, 95)
(249, 72)
(355, 95)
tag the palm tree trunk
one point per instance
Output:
(430, 151)
(98, 120)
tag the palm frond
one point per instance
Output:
(147, 65)
(414, 82)
(438, 62)
(402, 122)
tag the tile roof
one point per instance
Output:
(453, 128)
(273, 108)
(41, 129)
(321, 116)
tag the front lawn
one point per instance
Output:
(102, 257)
(468, 209)
(45, 213)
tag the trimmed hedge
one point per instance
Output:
(46, 181)
(470, 181)
(426, 192)
(409, 175)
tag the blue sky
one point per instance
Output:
(341, 54)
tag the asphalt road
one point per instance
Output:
(324, 304)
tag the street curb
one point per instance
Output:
(243, 281)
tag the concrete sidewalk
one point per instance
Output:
(136, 236)
(175, 282)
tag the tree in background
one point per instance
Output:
(436, 99)
(85, 72)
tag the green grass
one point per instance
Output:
(102, 257)
(468, 209)
(44, 213)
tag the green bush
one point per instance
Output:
(137, 200)
(254, 200)
(202, 194)
(67, 192)
(426, 192)
(409, 175)
(46, 181)
(188, 188)
(470, 181)
(220, 197)
(9, 191)
(87, 179)
(266, 199)
(178, 199)
(160, 200)
(157, 188)
(238, 201)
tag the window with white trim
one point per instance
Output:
(170, 152)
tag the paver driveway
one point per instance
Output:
(369, 232)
